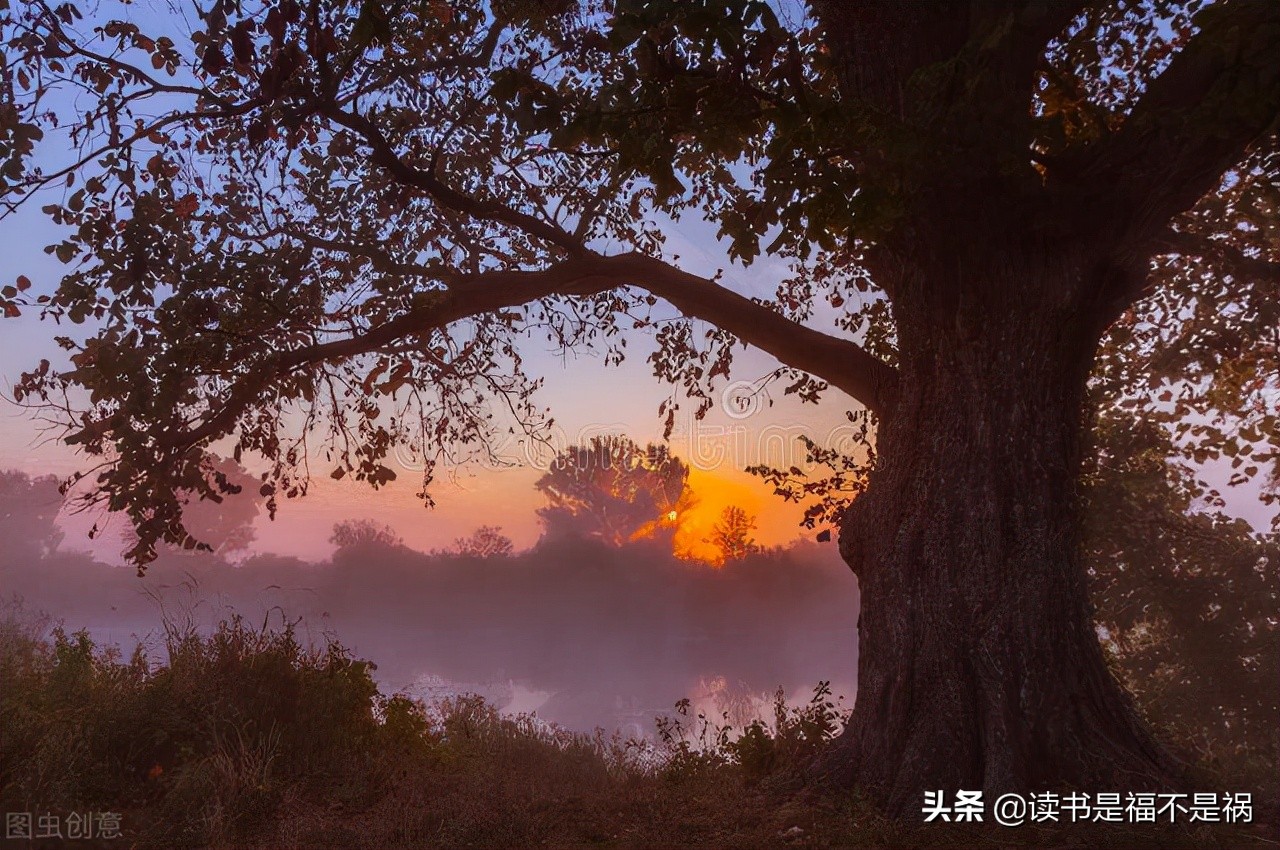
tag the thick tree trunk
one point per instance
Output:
(979, 667)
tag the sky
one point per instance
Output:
(586, 398)
(585, 622)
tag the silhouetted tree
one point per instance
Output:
(360, 216)
(222, 521)
(1188, 598)
(28, 511)
(487, 541)
(733, 534)
(613, 488)
(363, 532)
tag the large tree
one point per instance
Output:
(313, 230)
(614, 489)
(28, 513)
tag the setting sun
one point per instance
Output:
(712, 493)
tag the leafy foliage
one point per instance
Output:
(237, 731)
(732, 534)
(226, 519)
(487, 541)
(826, 497)
(363, 532)
(224, 247)
(786, 742)
(614, 489)
(1201, 353)
(334, 236)
(211, 737)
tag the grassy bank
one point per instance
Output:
(247, 738)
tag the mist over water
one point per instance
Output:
(586, 633)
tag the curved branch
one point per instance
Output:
(385, 155)
(842, 363)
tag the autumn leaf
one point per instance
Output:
(186, 205)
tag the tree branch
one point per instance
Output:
(879, 44)
(1227, 258)
(384, 154)
(1219, 95)
(1015, 58)
(842, 363)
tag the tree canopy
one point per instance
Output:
(487, 541)
(308, 233)
(733, 534)
(28, 511)
(614, 489)
(318, 230)
(364, 532)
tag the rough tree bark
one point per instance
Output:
(979, 667)
(978, 662)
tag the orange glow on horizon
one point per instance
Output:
(694, 526)
(304, 529)
(695, 518)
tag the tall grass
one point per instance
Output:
(236, 735)
(248, 737)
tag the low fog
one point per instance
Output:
(585, 632)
